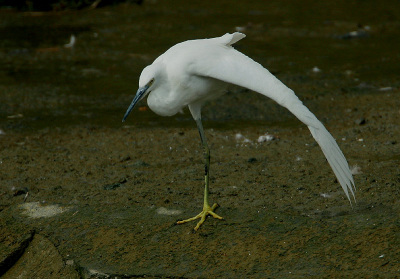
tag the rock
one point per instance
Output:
(112, 186)
(265, 138)
(41, 260)
(252, 160)
(13, 241)
(140, 163)
(125, 158)
(360, 121)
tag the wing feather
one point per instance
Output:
(227, 64)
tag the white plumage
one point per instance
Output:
(192, 72)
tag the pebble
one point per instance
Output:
(316, 69)
(360, 121)
(265, 138)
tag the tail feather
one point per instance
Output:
(335, 158)
(231, 66)
(329, 147)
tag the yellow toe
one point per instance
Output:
(207, 210)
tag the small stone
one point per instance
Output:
(252, 160)
(112, 186)
(20, 191)
(265, 138)
(140, 163)
(360, 121)
(316, 69)
(125, 158)
(122, 180)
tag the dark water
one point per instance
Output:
(93, 82)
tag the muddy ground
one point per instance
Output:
(83, 195)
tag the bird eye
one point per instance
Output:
(151, 82)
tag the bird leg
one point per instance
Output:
(207, 209)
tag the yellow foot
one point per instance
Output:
(207, 210)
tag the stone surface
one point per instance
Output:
(14, 239)
(41, 260)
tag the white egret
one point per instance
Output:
(192, 72)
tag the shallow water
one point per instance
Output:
(94, 82)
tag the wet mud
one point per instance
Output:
(83, 195)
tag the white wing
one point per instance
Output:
(227, 64)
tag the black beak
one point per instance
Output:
(139, 95)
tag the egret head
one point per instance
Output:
(147, 81)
